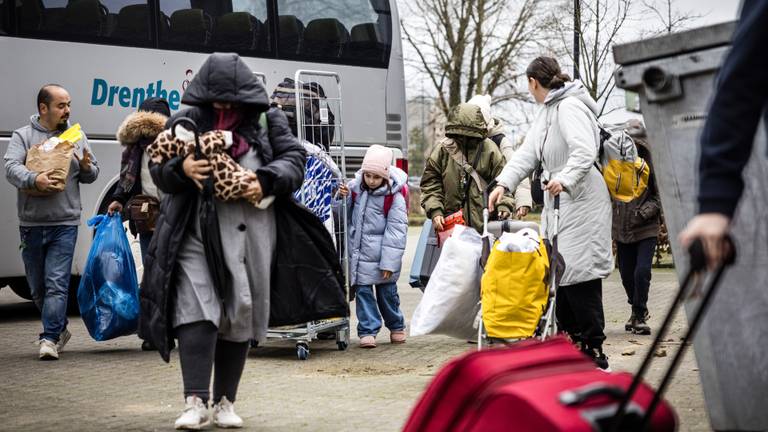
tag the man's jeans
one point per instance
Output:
(47, 253)
(367, 306)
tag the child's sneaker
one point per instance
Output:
(368, 342)
(224, 415)
(195, 415)
(397, 337)
(48, 350)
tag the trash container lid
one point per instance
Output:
(674, 44)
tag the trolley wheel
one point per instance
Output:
(302, 351)
(342, 346)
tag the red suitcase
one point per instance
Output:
(551, 386)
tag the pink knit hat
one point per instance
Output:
(377, 160)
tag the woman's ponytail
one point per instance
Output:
(546, 70)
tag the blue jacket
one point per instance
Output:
(376, 242)
(740, 100)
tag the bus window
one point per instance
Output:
(335, 31)
(107, 21)
(3, 18)
(215, 26)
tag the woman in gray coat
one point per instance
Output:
(563, 141)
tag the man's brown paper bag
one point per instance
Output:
(57, 159)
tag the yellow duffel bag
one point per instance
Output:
(514, 292)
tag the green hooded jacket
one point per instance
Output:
(443, 182)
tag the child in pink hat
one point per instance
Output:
(377, 232)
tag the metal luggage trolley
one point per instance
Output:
(323, 126)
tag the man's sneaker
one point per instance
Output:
(224, 415)
(195, 415)
(640, 324)
(63, 339)
(48, 350)
(629, 326)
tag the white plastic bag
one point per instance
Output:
(451, 298)
(525, 240)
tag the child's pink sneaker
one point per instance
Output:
(368, 342)
(397, 337)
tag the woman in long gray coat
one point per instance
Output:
(563, 141)
(179, 298)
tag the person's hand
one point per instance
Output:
(197, 170)
(85, 161)
(554, 187)
(495, 197)
(115, 206)
(343, 191)
(712, 229)
(522, 212)
(43, 181)
(386, 274)
(253, 191)
(438, 222)
(503, 215)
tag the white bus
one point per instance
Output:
(111, 54)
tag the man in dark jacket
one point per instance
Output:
(635, 229)
(728, 136)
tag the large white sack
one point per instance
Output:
(451, 298)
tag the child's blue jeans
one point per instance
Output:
(370, 309)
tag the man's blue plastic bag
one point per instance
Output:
(108, 295)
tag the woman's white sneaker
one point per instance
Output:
(224, 415)
(195, 415)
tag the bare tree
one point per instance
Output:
(467, 47)
(671, 19)
(600, 28)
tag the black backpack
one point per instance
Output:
(318, 118)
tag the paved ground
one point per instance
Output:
(114, 385)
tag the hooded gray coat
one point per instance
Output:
(564, 139)
(376, 241)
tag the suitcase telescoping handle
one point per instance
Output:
(188, 122)
(698, 263)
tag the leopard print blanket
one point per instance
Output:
(228, 175)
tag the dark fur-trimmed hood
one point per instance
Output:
(138, 125)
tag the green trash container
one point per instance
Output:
(674, 76)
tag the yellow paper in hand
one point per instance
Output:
(73, 134)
